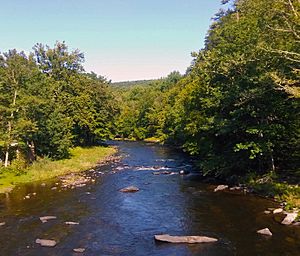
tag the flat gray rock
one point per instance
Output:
(289, 218)
(279, 210)
(71, 223)
(79, 250)
(265, 232)
(184, 239)
(45, 242)
(130, 189)
(44, 219)
(220, 188)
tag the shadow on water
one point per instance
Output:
(115, 223)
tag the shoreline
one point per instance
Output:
(82, 159)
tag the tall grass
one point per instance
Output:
(81, 159)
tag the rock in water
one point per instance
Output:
(279, 210)
(183, 172)
(46, 218)
(220, 188)
(184, 239)
(79, 250)
(45, 242)
(71, 223)
(130, 189)
(264, 231)
(289, 218)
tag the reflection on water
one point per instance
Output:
(115, 223)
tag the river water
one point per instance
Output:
(115, 223)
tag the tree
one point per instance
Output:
(17, 71)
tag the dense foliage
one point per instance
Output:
(48, 104)
(236, 109)
(237, 106)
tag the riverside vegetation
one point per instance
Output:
(236, 109)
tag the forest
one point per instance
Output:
(236, 108)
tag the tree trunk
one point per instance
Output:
(6, 157)
(9, 130)
(31, 153)
(272, 162)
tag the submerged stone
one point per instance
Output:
(129, 189)
(184, 239)
(46, 242)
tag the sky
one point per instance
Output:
(122, 40)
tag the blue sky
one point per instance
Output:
(121, 39)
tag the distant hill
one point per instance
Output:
(132, 83)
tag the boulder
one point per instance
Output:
(220, 188)
(184, 239)
(265, 232)
(45, 242)
(2, 224)
(79, 250)
(279, 210)
(267, 212)
(44, 219)
(129, 189)
(289, 218)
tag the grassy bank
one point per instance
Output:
(282, 189)
(282, 192)
(81, 159)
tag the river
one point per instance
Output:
(115, 223)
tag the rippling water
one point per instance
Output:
(115, 223)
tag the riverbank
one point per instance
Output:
(279, 190)
(81, 159)
(287, 194)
